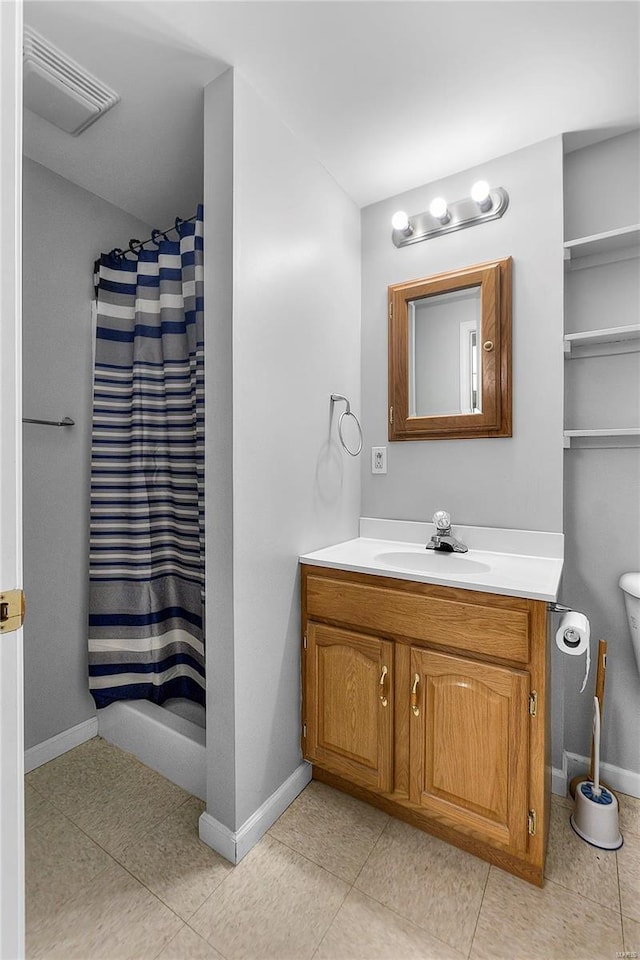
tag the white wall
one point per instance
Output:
(506, 482)
(218, 381)
(602, 486)
(295, 340)
(65, 229)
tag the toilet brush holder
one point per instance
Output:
(595, 817)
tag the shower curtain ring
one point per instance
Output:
(154, 236)
(178, 223)
(133, 243)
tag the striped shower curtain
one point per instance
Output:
(146, 593)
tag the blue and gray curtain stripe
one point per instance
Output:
(146, 604)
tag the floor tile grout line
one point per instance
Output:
(166, 817)
(386, 906)
(391, 909)
(305, 857)
(484, 890)
(331, 922)
(197, 932)
(370, 854)
(165, 945)
(581, 893)
(308, 859)
(149, 890)
(624, 941)
(156, 895)
(408, 920)
(113, 860)
(84, 834)
(100, 845)
(227, 875)
(204, 940)
(139, 836)
(575, 893)
(72, 896)
(115, 857)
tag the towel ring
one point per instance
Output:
(347, 413)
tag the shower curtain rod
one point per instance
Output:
(135, 246)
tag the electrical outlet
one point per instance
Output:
(378, 459)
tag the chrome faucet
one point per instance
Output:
(443, 539)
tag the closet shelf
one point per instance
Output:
(609, 437)
(608, 335)
(599, 248)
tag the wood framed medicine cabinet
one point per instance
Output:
(450, 354)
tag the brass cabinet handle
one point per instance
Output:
(488, 345)
(383, 677)
(414, 695)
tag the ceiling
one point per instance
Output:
(386, 95)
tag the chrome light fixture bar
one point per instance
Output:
(455, 216)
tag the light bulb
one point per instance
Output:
(480, 194)
(438, 209)
(400, 221)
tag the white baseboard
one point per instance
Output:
(626, 781)
(233, 846)
(559, 781)
(61, 743)
(217, 836)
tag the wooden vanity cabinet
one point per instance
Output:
(431, 703)
(469, 745)
(350, 705)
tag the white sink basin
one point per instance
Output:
(516, 563)
(431, 561)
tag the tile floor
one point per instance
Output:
(115, 870)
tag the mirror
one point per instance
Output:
(443, 354)
(450, 355)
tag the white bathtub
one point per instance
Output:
(161, 738)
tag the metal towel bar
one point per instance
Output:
(65, 422)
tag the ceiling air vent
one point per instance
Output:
(59, 89)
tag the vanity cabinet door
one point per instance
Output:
(348, 709)
(469, 746)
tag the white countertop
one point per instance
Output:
(516, 574)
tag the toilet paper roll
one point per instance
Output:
(572, 637)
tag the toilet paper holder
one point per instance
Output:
(558, 608)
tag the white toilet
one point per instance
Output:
(629, 583)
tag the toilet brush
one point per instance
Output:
(600, 679)
(595, 816)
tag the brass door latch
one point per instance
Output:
(414, 695)
(384, 700)
(12, 609)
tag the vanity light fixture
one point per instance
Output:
(485, 203)
(400, 222)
